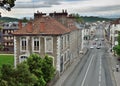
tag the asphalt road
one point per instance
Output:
(94, 68)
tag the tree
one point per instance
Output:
(23, 76)
(7, 4)
(19, 76)
(47, 68)
(25, 19)
(36, 71)
(35, 65)
(42, 68)
(117, 47)
(78, 18)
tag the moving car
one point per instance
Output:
(96, 39)
(91, 47)
(98, 47)
(102, 39)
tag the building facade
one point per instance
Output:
(114, 29)
(46, 35)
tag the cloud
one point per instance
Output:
(83, 7)
(36, 3)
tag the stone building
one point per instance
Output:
(46, 35)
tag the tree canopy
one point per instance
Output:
(35, 71)
(117, 47)
(7, 4)
(78, 18)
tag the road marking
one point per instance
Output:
(100, 71)
(83, 82)
(99, 79)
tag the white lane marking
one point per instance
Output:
(87, 72)
(100, 71)
(99, 79)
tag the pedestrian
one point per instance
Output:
(117, 68)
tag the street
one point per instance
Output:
(94, 68)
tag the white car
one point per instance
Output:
(96, 39)
(91, 47)
(81, 52)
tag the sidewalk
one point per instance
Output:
(113, 59)
(69, 70)
(113, 64)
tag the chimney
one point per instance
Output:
(38, 15)
(42, 26)
(62, 10)
(29, 27)
(20, 24)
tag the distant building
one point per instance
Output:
(6, 35)
(1, 23)
(46, 35)
(114, 29)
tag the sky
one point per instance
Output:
(102, 8)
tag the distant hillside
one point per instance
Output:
(8, 19)
(84, 18)
(94, 19)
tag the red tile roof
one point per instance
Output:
(45, 26)
(117, 21)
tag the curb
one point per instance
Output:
(111, 71)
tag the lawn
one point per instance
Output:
(6, 59)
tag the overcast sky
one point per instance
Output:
(103, 8)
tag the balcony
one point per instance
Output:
(8, 40)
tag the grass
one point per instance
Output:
(6, 59)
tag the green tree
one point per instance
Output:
(42, 68)
(7, 4)
(78, 18)
(23, 76)
(11, 2)
(35, 65)
(19, 76)
(48, 68)
(25, 19)
(117, 47)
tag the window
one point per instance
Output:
(48, 44)
(67, 40)
(65, 57)
(116, 32)
(23, 44)
(36, 44)
(22, 58)
(62, 42)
